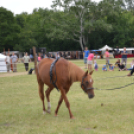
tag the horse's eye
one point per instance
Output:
(86, 82)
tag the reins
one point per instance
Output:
(117, 87)
(111, 77)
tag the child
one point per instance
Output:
(39, 57)
(95, 65)
(90, 61)
(104, 68)
(111, 67)
(117, 63)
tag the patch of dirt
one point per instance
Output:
(13, 74)
(5, 124)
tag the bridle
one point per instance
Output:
(85, 88)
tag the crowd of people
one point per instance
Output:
(89, 57)
(11, 61)
(89, 61)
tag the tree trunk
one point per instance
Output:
(81, 44)
(85, 40)
(81, 33)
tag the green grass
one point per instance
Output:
(21, 67)
(21, 107)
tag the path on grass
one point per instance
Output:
(18, 73)
(12, 74)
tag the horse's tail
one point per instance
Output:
(35, 60)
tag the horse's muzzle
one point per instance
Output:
(90, 96)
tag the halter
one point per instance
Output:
(85, 88)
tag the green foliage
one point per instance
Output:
(8, 29)
(79, 24)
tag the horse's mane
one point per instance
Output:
(74, 72)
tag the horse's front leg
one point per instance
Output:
(66, 102)
(48, 99)
(59, 103)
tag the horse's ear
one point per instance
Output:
(86, 73)
(91, 72)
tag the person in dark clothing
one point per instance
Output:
(120, 66)
(131, 72)
(124, 56)
(117, 63)
(117, 50)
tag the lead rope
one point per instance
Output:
(112, 77)
(117, 87)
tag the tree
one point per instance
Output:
(8, 29)
(80, 19)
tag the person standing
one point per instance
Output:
(26, 60)
(107, 57)
(14, 59)
(45, 56)
(8, 62)
(124, 57)
(42, 56)
(57, 55)
(39, 57)
(90, 61)
(86, 53)
(31, 57)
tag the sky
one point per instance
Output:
(19, 6)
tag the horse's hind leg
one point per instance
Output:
(41, 94)
(48, 99)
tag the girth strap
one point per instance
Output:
(51, 73)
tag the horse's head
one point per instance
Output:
(87, 84)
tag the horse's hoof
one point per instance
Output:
(72, 118)
(44, 112)
(48, 111)
(56, 115)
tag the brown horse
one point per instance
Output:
(66, 73)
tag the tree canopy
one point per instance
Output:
(81, 23)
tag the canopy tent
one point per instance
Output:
(127, 49)
(106, 47)
(3, 67)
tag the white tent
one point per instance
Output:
(106, 47)
(3, 67)
(127, 49)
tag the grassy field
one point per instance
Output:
(21, 108)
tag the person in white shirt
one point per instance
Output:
(14, 59)
(8, 62)
(131, 69)
(26, 60)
